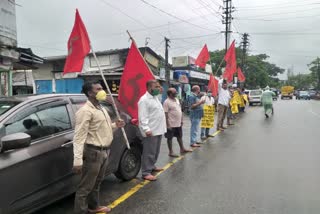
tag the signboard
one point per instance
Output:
(181, 76)
(208, 69)
(151, 60)
(198, 75)
(191, 60)
(162, 73)
(207, 120)
(180, 61)
(8, 29)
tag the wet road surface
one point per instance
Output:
(258, 166)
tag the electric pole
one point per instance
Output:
(227, 18)
(245, 45)
(167, 41)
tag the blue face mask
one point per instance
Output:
(209, 94)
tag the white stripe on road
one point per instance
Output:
(314, 113)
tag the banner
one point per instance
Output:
(207, 120)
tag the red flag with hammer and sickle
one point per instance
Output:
(78, 46)
(133, 82)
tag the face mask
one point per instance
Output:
(101, 95)
(209, 94)
(174, 95)
(155, 92)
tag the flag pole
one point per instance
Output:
(112, 99)
(219, 66)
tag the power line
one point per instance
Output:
(276, 20)
(272, 14)
(276, 7)
(193, 37)
(290, 3)
(173, 16)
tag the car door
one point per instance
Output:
(39, 173)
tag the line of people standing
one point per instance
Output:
(156, 120)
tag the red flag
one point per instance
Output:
(135, 75)
(78, 46)
(241, 76)
(203, 57)
(213, 85)
(231, 63)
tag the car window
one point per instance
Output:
(42, 123)
(255, 93)
(6, 106)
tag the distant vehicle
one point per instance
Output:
(255, 97)
(36, 150)
(275, 91)
(312, 94)
(287, 92)
(303, 95)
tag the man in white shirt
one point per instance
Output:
(152, 123)
(208, 100)
(223, 103)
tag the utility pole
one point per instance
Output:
(245, 45)
(167, 41)
(227, 18)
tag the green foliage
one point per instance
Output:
(258, 71)
(301, 81)
(314, 67)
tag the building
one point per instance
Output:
(49, 77)
(13, 58)
(188, 74)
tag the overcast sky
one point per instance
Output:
(287, 30)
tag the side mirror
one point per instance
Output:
(15, 141)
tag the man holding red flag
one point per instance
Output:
(89, 140)
(203, 57)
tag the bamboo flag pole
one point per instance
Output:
(112, 99)
(219, 66)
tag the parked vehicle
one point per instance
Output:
(303, 95)
(287, 92)
(255, 97)
(36, 156)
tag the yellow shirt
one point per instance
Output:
(93, 126)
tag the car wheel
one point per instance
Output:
(130, 164)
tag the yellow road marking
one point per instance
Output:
(137, 187)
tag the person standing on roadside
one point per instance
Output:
(208, 101)
(196, 113)
(91, 147)
(223, 104)
(174, 118)
(152, 123)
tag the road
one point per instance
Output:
(258, 166)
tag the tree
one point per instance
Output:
(314, 67)
(301, 81)
(258, 71)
